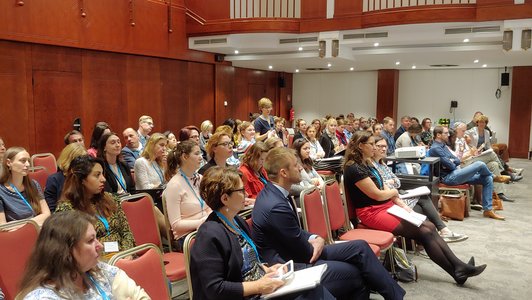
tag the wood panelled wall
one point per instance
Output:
(520, 112)
(44, 88)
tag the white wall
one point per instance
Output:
(422, 93)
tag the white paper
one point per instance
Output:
(419, 191)
(304, 279)
(110, 247)
(412, 217)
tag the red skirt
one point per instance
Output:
(377, 217)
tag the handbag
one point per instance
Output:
(453, 206)
(404, 269)
(496, 202)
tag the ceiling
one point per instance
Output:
(400, 47)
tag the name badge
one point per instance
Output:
(110, 247)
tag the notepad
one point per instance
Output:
(419, 191)
(304, 279)
(412, 217)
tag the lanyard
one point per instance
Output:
(261, 178)
(241, 232)
(119, 178)
(158, 170)
(98, 288)
(21, 197)
(201, 202)
(377, 176)
(105, 223)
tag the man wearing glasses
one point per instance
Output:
(452, 174)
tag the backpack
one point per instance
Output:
(405, 270)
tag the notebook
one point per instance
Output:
(304, 279)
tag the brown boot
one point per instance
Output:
(502, 179)
(491, 214)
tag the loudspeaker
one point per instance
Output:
(526, 37)
(507, 38)
(454, 104)
(505, 79)
(282, 82)
(219, 57)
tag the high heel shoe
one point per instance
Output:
(461, 276)
(471, 261)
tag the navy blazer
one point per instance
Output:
(276, 229)
(130, 157)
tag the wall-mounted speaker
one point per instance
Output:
(454, 104)
(219, 57)
(505, 79)
(282, 82)
(526, 36)
(507, 38)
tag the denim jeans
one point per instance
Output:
(475, 173)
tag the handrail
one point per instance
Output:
(376, 5)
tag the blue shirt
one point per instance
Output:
(449, 162)
(390, 141)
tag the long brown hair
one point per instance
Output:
(174, 158)
(252, 155)
(305, 162)
(74, 190)
(32, 194)
(353, 154)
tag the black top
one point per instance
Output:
(262, 126)
(353, 174)
(111, 184)
(327, 145)
(209, 164)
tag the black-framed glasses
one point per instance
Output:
(242, 190)
(226, 144)
(368, 143)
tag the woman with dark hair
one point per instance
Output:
(319, 128)
(377, 129)
(172, 141)
(253, 174)
(426, 134)
(309, 176)
(190, 132)
(84, 191)
(316, 150)
(64, 264)
(372, 199)
(186, 209)
(2, 150)
(224, 262)
(20, 197)
(118, 178)
(99, 129)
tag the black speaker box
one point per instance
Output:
(505, 79)
(219, 57)
(282, 82)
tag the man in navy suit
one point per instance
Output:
(352, 267)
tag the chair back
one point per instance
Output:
(147, 270)
(351, 211)
(169, 233)
(46, 160)
(314, 219)
(40, 175)
(141, 218)
(336, 210)
(187, 247)
(15, 250)
(290, 140)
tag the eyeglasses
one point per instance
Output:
(381, 146)
(242, 190)
(226, 144)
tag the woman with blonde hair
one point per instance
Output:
(149, 168)
(20, 197)
(264, 124)
(55, 182)
(247, 134)
(205, 134)
(219, 149)
(329, 141)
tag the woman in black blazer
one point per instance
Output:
(117, 174)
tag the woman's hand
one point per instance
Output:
(249, 201)
(268, 284)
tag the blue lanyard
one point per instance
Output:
(201, 202)
(105, 223)
(377, 176)
(98, 288)
(241, 232)
(261, 178)
(158, 170)
(120, 179)
(21, 197)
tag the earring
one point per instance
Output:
(226, 209)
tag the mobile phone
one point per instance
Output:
(481, 148)
(284, 275)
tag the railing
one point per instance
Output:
(241, 9)
(373, 5)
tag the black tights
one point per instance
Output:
(437, 249)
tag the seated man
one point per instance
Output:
(452, 174)
(74, 136)
(352, 268)
(133, 148)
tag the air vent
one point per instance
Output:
(210, 41)
(317, 69)
(443, 66)
(298, 40)
(372, 35)
(478, 29)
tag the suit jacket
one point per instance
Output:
(276, 229)
(130, 156)
(111, 185)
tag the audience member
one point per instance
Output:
(316, 150)
(186, 209)
(84, 191)
(2, 150)
(264, 124)
(219, 149)
(117, 174)
(373, 121)
(426, 134)
(301, 126)
(352, 268)
(74, 136)
(280, 130)
(329, 142)
(317, 124)
(233, 124)
(405, 123)
(145, 127)
(414, 120)
(131, 152)
(206, 133)
(377, 129)
(149, 167)
(348, 129)
(363, 122)
(388, 128)
(452, 174)
(254, 176)
(340, 135)
(20, 197)
(247, 137)
(409, 138)
(356, 124)
(99, 129)
(64, 264)
(55, 182)
(309, 176)
(273, 142)
(172, 141)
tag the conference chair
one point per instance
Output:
(39, 174)
(147, 269)
(46, 160)
(17, 240)
(187, 247)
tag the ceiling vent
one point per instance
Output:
(373, 35)
(299, 40)
(317, 69)
(443, 66)
(210, 41)
(477, 29)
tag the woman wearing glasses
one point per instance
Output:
(220, 148)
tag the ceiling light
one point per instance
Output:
(484, 65)
(270, 67)
(329, 65)
(466, 40)
(297, 70)
(300, 48)
(413, 67)
(376, 44)
(397, 63)
(475, 61)
(236, 51)
(351, 69)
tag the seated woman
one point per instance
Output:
(99, 129)
(423, 204)
(253, 174)
(186, 209)
(172, 141)
(280, 130)
(118, 178)
(83, 191)
(55, 182)
(206, 133)
(372, 198)
(217, 264)
(377, 129)
(273, 142)
(247, 134)
(316, 150)
(20, 197)
(219, 148)
(301, 127)
(2, 150)
(149, 167)
(64, 264)
(329, 142)
(309, 176)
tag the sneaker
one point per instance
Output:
(453, 237)
(476, 207)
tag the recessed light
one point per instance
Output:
(297, 70)
(329, 65)
(475, 61)
(300, 48)
(351, 69)
(236, 51)
(484, 65)
(466, 40)
(397, 63)
(270, 67)
(376, 44)
(413, 67)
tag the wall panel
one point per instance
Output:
(200, 83)
(174, 94)
(520, 112)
